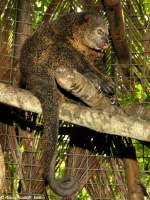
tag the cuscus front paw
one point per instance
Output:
(108, 86)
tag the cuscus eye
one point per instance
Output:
(100, 31)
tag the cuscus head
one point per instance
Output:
(95, 34)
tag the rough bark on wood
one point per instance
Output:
(117, 30)
(132, 175)
(108, 119)
(146, 42)
(2, 171)
(23, 30)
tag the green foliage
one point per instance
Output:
(14, 183)
(139, 93)
(143, 157)
(83, 195)
(40, 8)
(147, 6)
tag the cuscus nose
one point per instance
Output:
(105, 38)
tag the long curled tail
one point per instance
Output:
(44, 87)
(39, 78)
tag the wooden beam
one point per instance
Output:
(117, 30)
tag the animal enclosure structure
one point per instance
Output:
(110, 163)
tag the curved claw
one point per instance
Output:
(108, 86)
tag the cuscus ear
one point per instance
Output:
(87, 17)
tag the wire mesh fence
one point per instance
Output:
(106, 166)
